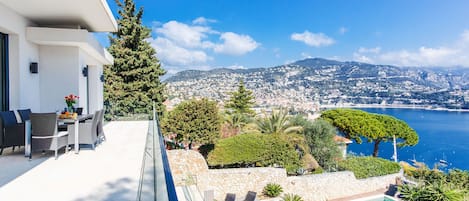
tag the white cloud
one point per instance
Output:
(203, 21)
(186, 35)
(343, 30)
(362, 58)
(451, 55)
(182, 46)
(313, 39)
(235, 44)
(236, 66)
(173, 55)
(305, 55)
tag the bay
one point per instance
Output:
(443, 135)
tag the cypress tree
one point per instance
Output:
(132, 83)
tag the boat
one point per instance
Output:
(413, 160)
(443, 162)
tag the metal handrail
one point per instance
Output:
(156, 180)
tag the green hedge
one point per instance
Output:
(364, 167)
(254, 149)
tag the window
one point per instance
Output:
(4, 105)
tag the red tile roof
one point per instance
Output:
(338, 138)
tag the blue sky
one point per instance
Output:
(205, 34)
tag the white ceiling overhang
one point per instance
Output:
(93, 15)
(70, 37)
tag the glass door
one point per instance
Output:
(4, 105)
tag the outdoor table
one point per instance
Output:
(75, 121)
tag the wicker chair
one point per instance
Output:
(88, 131)
(24, 114)
(44, 133)
(11, 132)
(101, 136)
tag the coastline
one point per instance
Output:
(392, 106)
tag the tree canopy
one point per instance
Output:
(241, 101)
(376, 128)
(319, 136)
(194, 121)
(132, 83)
(277, 123)
(254, 150)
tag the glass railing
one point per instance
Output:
(156, 181)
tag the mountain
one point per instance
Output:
(306, 83)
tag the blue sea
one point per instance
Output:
(443, 135)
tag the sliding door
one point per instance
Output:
(4, 98)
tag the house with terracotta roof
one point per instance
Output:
(342, 142)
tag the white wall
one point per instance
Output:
(60, 75)
(95, 86)
(59, 65)
(24, 86)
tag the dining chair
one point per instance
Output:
(101, 136)
(11, 132)
(87, 131)
(24, 114)
(45, 135)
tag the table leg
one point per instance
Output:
(27, 138)
(77, 143)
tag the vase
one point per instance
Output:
(70, 109)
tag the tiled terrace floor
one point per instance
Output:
(111, 172)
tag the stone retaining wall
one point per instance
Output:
(187, 165)
(239, 180)
(334, 185)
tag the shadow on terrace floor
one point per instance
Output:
(13, 164)
(121, 189)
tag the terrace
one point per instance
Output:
(48, 50)
(110, 172)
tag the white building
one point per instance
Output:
(55, 35)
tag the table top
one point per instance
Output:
(79, 118)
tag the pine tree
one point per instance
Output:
(132, 83)
(241, 101)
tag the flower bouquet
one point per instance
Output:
(70, 100)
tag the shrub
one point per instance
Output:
(272, 190)
(431, 192)
(459, 178)
(194, 121)
(436, 185)
(319, 136)
(364, 167)
(254, 150)
(291, 197)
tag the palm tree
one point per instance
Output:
(277, 123)
(236, 120)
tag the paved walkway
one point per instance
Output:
(111, 172)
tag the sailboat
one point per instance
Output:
(443, 162)
(413, 160)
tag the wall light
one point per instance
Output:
(33, 67)
(101, 78)
(85, 71)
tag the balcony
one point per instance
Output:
(110, 172)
